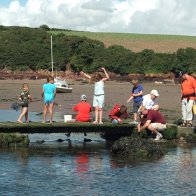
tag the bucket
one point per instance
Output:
(194, 108)
(67, 118)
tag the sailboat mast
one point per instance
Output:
(51, 55)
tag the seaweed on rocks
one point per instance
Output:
(137, 148)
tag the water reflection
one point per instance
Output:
(186, 165)
(81, 168)
(12, 116)
(82, 163)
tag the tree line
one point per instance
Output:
(22, 48)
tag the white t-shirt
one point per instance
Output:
(148, 103)
(99, 88)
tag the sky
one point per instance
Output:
(127, 16)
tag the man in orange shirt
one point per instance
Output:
(188, 93)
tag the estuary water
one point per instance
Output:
(57, 165)
(74, 167)
(12, 116)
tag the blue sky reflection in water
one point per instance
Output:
(89, 169)
(12, 116)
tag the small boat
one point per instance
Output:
(62, 86)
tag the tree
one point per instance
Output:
(45, 27)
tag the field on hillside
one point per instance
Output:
(138, 42)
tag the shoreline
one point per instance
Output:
(115, 92)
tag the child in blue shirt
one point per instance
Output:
(48, 95)
(137, 97)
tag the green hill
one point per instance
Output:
(22, 48)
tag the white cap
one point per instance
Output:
(83, 97)
(154, 92)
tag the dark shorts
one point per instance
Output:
(136, 106)
(24, 105)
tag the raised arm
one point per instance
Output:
(85, 75)
(106, 74)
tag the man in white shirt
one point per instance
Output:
(149, 100)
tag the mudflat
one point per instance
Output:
(115, 92)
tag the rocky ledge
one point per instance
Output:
(138, 148)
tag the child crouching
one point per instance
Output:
(118, 113)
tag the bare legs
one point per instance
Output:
(44, 113)
(151, 128)
(24, 112)
(135, 116)
(98, 115)
(49, 108)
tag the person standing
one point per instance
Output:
(83, 108)
(154, 121)
(48, 95)
(188, 95)
(136, 95)
(99, 98)
(24, 99)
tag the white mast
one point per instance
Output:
(51, 55)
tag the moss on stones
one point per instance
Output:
(12, 139)
(137, 148)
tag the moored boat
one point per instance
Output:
(62, 86)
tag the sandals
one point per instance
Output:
(183, 125)
(189, 124)
(186, 124)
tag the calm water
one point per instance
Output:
(77, 168)
(12, 116)
(74, 167)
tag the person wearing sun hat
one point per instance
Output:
(83, 108)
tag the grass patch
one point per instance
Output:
(138, 42)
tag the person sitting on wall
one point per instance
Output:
(154, 121)
(118, 113)
(83, 108)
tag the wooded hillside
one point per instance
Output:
(22, 48)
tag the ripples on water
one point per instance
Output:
(77, 168)
(12, 116)
(74, 167)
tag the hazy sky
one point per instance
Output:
(131, 16)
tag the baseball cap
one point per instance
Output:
(182, 73)
(154, 92)
(83, 97)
